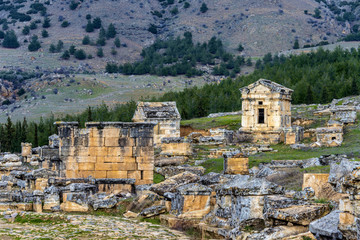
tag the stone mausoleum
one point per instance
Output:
(115, 150)
(164, 114)
(266, 117)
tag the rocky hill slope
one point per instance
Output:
(260, 26)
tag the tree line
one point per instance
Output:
(315, 77)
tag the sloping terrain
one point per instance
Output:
(260, 26)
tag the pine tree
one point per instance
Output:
(111, 31)
(96, 23)
(10, 134)
(86, 40)
(10, 40)
(26, 30)
(117, 42)
(296, 44)
(44, 33)
(203, 8)
(89, 27)
(36, 139)
(46, 23)
(66, 55)
(34, 44)
(100, 53)
(89, 115)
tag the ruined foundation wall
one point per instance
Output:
(108, 150)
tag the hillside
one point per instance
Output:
(260, 26)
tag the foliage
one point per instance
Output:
(86, 40)
(153, 29)
(34, 44)
(46, 23)
(111, 31)
(96, 23)
(213, 165)
(73, 5)
(117, 42)
(89, 27)
(80, 54)
(100, 53)
(44, 33)
(65, 55)
(180, 56)
(10, 40)
(65, 24)
(203, 8)
(26, 30)
(296, 44)
(158, 178)
(231, 122)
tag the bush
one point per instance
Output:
(117, 42)
(240, 48)
(111, 31)
(174, 11)
(113, 51)
(46, 23)
(96, 23)
(73, 5)
(203, 8)
(66, 55)
(296, 44)
(90, 56)
(65, 24)
(89, 27)
(44, 33)
(2, 35)
(86, 40)
(72, 50)
(34, 44)
(101, 42)
(33, 25)
(80, 54)
(152, 29)
(100, 53)
(26, 30)
(186, 5)
(88, 16)
(10, 40)
(52, 48)
(59, 46)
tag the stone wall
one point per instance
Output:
(108, 150)
(164, 114)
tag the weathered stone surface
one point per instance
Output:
(300, 215)
(103, 201)
(306, 194)
(338, 173)
(172, 171)
(153, 211)
(170, 161)
(245, 186)
(164, 114)
(327, 227)
(191, 201)
(170, 184)
(276, 233)
(130, 214)
(236, 163)
(175, 146)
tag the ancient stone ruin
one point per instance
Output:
(164, 114)
(266, 117)
(107, 150)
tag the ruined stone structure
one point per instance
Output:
(346, 115)
(316, 181)
(266, 117)
(329, 136)
(107, 150)
(236, 163)
(164, 114)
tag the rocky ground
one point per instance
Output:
(60, 226)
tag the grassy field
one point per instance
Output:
(228, 122)
(109, 89)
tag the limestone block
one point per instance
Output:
(96, 142)
(134, 174)
(236, 165)
(116, 174)
(316, 181)
(24, 206)
(41, 184)
(195, 206)
(87, 166)
(145, 166)
(115, 188)
(98, 151)
(100, 174)
(72, 173)
(113, 151)
(109, 166)
(73, 207)
(85, 174)
(85, 159)
(346, 218)
(111, 132)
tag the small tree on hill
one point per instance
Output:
(89, 27)
(317, 13)
(80, 54)
(203, 8)
(59, 46)
(26, 30)
(52, 48)
(10, 40)
(46, 23)
(240, 48)
(34, 44)
(66, 55)
(72, 50)
(44, 33)
(296, 44)
(96, 23)
(86, 40)
(100, 53)
(117, 42)
(111, 31)
(33, 25)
